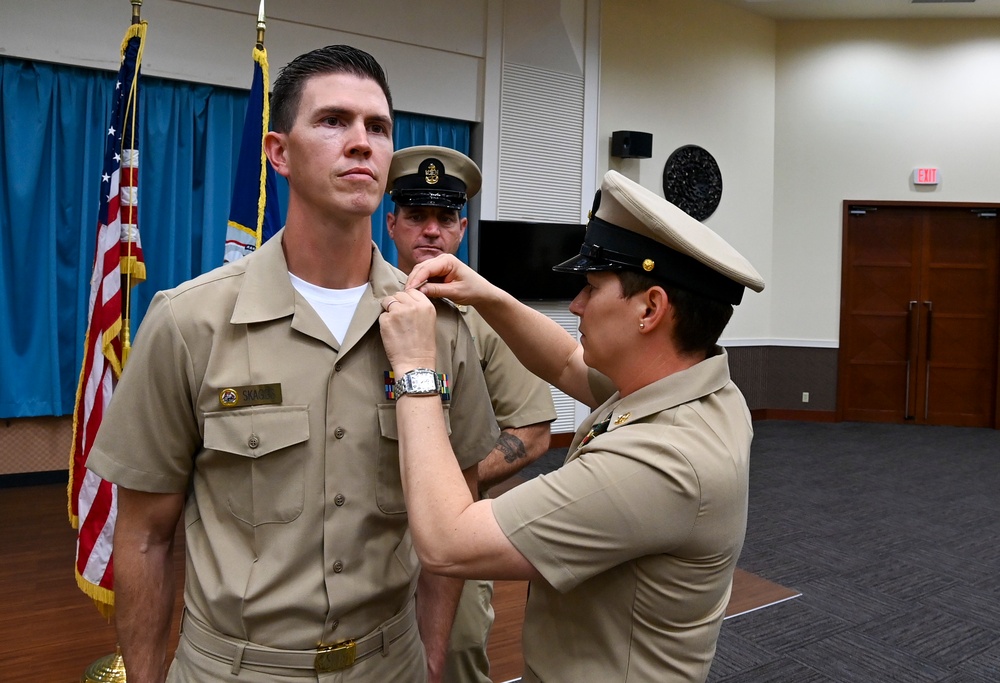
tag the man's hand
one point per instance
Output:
(407, 326)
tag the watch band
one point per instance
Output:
(418, 382)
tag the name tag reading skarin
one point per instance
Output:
(250, 395)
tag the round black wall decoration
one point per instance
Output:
(692, 181)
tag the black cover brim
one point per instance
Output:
(447, 200)
(584, 264)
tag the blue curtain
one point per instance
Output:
(51, 147)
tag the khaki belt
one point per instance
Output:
(327, 658)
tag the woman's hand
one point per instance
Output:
(407, 325)
(446, 277)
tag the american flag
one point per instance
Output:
(118, 257)
(253, 212)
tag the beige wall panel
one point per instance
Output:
(860, 104)
(35, 444)
(698, 73)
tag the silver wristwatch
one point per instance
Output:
(418, 382)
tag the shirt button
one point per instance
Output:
(253, 441)
(337, 367)
(338, 566)
(339, 499)
(339, 432)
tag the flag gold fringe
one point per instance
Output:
(108, 350)
(260, 56)
(134, 31)
(116, 366)
(131, 268)
(104, 599)
(134, 267)
(130, 265)
(74, 521)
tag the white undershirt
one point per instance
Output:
(335, 306)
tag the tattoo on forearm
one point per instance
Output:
(512, 447)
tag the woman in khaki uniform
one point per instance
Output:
(430, 185)
(630, 546)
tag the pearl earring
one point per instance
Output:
(642, 326)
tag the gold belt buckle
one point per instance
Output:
(335, 657)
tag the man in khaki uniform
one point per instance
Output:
(259, 401)
(430, 185)
(631, 545)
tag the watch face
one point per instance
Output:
(424, 382)
(419, 381)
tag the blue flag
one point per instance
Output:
(253, 213)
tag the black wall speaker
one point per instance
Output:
(631, 144)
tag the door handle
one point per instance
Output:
(927, 359)
(909, 357)
(930, 313)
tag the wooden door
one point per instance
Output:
(918, 340)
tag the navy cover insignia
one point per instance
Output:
(431, 176)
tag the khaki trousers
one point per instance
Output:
(405, 663)
(467, 661)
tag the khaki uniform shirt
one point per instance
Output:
(296, 529)
(637, 535)
(519, 398)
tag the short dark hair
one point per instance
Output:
(332, 59)
(699, 321)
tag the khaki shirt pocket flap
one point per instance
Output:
(257, 431)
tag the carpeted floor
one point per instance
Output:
(892, 535)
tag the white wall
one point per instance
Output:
(433, 55)
(548, 144)
(860, 104)
(801, 116)
(699, 72)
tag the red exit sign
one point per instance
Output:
(925, 176)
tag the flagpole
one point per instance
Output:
(126, 334)
(253, 210)
(111, 668)
(261, 26)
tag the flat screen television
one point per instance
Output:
(518, 256)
